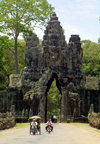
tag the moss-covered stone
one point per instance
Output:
(7, 120)
(54, 59)
(92, 83)
(94, 118)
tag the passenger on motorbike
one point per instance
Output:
(33, 123)
(49, 123)
(38, 124)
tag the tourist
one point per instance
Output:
(49, 123)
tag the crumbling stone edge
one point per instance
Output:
(7, 120)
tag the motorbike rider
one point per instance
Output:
(33, 123)
(49, 123)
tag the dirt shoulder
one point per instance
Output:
(12, 131)
(87, 127)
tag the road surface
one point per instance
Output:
(62, 134)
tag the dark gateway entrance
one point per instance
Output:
(53, 59)
(56, 59)
(54, 76)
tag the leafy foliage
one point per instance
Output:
(7, 64)
(4, 43)
(91, 58)
(27, 32)
(20, 16)
(2, 76)
(53, 101)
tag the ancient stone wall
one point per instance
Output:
(54, 44)
(93, 118)
(3, 101)
(7, 120)
(33, 61)
(54, 59)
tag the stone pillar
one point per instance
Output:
(88, 99)
(99, 101)
(42, 105)
(83, 102)
(64, 105)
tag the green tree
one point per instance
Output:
(85, 43)
(7, 65)
(27, 32)
(8, 59)
(53, 101)
(18, 15)
(98, 40)
(91, 58)
(5, 44)
(2, 76)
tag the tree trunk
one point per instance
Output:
(16, 58)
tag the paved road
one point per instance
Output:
(62, 134)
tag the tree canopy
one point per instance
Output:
(2, 76)
(91, 58)
(7, 65)
(20, 16)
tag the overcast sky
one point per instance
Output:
(77, 17)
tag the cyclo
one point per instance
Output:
(35, 125)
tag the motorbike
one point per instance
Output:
(49, 129)
(37, 128)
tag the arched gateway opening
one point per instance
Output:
(58, 100)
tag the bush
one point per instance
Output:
(94, 120)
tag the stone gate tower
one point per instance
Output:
(55, 59)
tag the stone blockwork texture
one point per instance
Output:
(54, 59)
(94, 118)
(54, 44)
(7, 120)
(63, 62)
(33, 61)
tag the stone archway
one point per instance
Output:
(48, 86)
(54, 59)
(57, 56)
(45, 86)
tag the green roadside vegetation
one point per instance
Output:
(79, 124)
(17, 126)
(20, 125)
(84, 126)
(91, 58)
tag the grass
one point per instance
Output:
(97, 131)
(79, 124)
(20, 125)
(85, 126)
